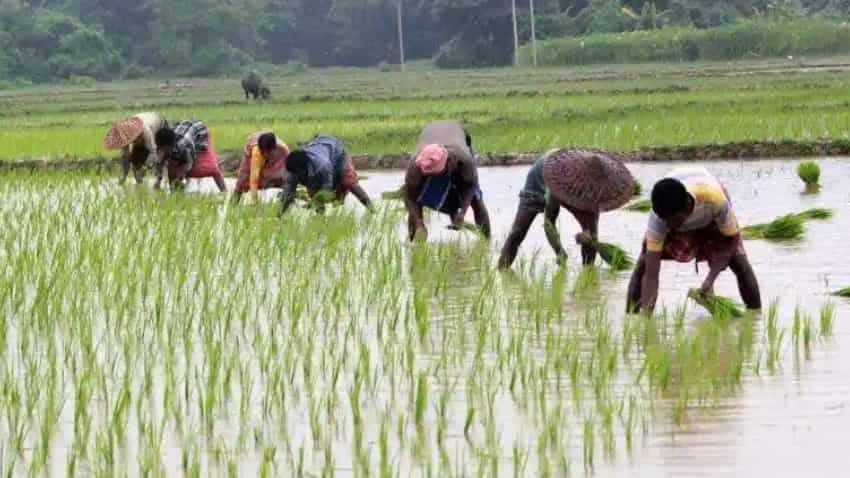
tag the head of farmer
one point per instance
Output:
(187, 151)
(263, 164)
(691, 220)
(584, 182)
(443, 176)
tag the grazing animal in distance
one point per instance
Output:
(253, 85)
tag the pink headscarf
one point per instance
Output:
(432, 159)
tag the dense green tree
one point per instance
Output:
(48, 40)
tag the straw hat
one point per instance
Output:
(123, 133)
(588, 180)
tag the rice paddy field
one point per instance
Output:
(620, 108)
(144, 334)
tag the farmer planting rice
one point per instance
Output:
(691, 219)
(187, 151)
(322, 165)
(134, 136)
(584, 182)
(263, 165)
(444, 177)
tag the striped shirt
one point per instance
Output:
(193, 136)
(711, 205)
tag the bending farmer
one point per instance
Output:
(263, 165)
(691, 219)
(322, 165)
(583, 182)
(134, 136)
(187, 151)
(444, 177)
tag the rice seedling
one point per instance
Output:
(340, 343)
(615, 256)
(638, 188)
(809, 173)
(394, 195)
(815, 213)
(643, 205)
(785, 228)
(845, 292)
(718, 306)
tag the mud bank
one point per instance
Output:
(229, 160)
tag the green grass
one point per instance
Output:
(845, 292)
(507, 110)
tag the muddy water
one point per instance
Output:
(793, 423)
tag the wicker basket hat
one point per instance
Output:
(123, 133)
(588, 180)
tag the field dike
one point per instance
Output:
(229, 160)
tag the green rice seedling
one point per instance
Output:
(845, 292)
(615, 256)
(718, 306)
(809, 172)
(643, 205)
(785, 228)
(395, 194)
(827, 319)
(638, 188)
(816, 213)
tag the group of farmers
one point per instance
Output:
(691, 220)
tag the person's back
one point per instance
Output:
(450, 134)
(326, 148)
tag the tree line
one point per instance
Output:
(49, 40)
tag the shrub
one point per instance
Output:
(745, 39)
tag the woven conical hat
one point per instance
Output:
(123, 133)
(588, 180)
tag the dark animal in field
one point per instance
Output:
(253, 85)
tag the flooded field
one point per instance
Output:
(185, 337)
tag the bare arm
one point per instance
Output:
(160, 166)
(414, 208)
(553, 208)
(467, 189)
(287, 196)
(649, 284)
(125, 166)
(720, 261)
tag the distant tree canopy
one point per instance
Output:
(48, 40)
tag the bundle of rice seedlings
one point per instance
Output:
(845, 292)
(644, 205)
(395, 194)
(815, 213)
(718, 306)
(784, 228)
(613, 255)
(320, 200)
(809, 172)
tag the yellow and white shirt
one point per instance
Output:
(711, 204)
